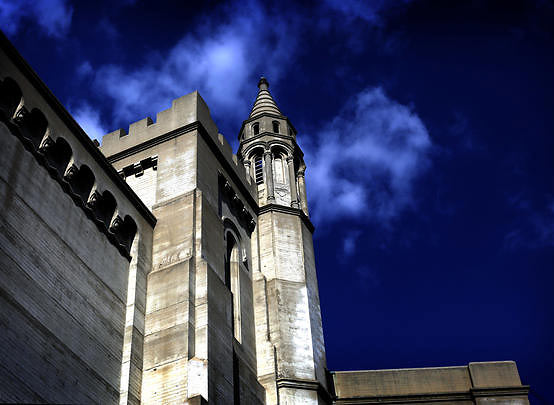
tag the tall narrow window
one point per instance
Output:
(256, 128)
(276, 127)
(258, 170)
(278, 169)
(232, 275)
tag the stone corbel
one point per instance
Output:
(93, 199)
(116, 224)
(21, 115)
(46, 144)
(70, 173)
(138, 169)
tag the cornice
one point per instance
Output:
(302, 384)
(288, 210)
(436, 396)
(154, 141)
(265, 114)
(196, 125)
(252, 142)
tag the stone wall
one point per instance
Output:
(75, 246)
(199, 193)
(478, 383)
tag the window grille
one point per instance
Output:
(258, 170)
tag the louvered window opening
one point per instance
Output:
(258, 170)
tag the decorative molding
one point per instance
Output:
(236, 204)
(500, 391)
(137, 169)
(302, 384)
(470, 395)
(72, 126)
(87, 206)
(287, 210)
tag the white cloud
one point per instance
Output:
(53, 16)
(89, 120)
(364, 162)
(222, 61)
(349, 243)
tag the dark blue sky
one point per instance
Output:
(429, 138)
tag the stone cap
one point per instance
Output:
(425, 381)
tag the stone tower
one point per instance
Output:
(161, 268)
(289, 336)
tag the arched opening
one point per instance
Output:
(258, 166)
(59, 155)
(82, 183)
(32, 125)
(275, 126)
(104, 207)
(125, 232)
(280, 165)
(10, 97)
(232, 280)
(256, 128)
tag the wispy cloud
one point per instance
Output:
(364, 162)
(53, 16)
(89, 119)
(349, 243)
(222, 59)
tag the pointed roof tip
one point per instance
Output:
(264, 102)
(263, 82)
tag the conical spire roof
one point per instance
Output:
(264, 102)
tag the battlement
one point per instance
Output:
(184, 111)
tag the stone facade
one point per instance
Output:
(162, 268)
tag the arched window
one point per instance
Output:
(232, 281)
(276, 127)
(278, 171)
(256, 128)
(258, 169)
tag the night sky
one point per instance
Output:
(429, 141)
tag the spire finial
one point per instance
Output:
(264, 102)
(263, 84)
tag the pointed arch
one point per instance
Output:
(58, 156)
(232, 274)
(82, 183)
(103, 207)
(32, 124)
(125, 232)
(10, 97)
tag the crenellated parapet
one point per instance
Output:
(186, 115)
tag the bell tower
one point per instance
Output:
(270, 154)
(291, 361)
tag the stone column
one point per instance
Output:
(302, 189)
(246, 163)
(292, 181)
(268, 158)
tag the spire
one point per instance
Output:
(264, 102)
